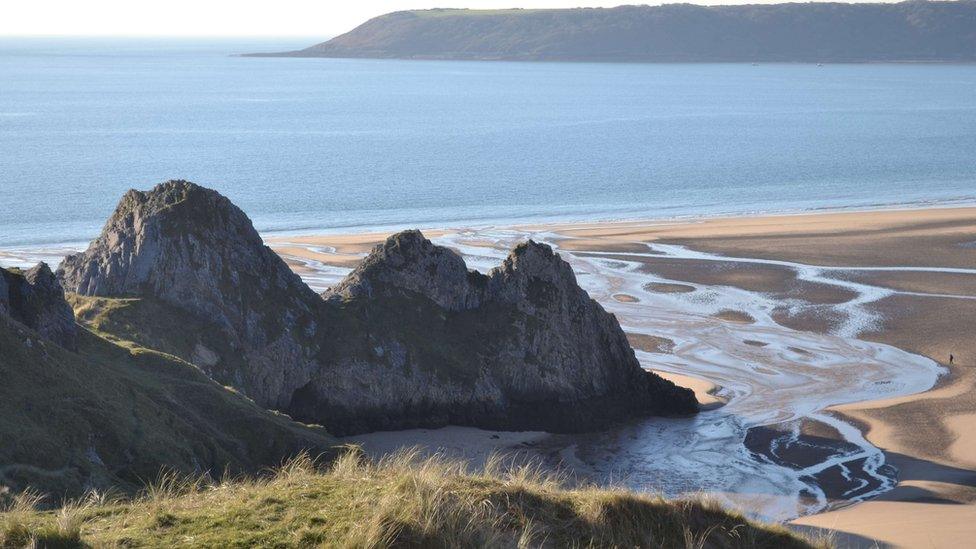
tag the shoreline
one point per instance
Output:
(572, 220)
(936, 238)
(925, 313)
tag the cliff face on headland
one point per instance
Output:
(798, 32)
(411, 338)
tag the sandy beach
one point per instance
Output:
(931, 437)
(901, 278)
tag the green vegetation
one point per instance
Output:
(140, 323)
(114, 413)
(461, 12)
(405, 501)
(789, 32)
(117, 413)
(147, 323)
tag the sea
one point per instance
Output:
(341, 145)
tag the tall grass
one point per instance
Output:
(408, 499)
(20, 527)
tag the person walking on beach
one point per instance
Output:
(951, 358)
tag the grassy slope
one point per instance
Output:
(402, 501)
(151, 324)
(156, 404)
(110, 415)
(140, 323)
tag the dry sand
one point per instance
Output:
(932, 237)
(930, 437)
(704, 390)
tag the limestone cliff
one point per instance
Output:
(410, 338)
(191, 247)
(35, 299)
(523, 347)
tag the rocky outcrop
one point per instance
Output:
(410, 262)
(191, 247)
(411, 338)
(35, 298)
(521, 348)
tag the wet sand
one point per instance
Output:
(929, 437)
(916, 237)
(476, 445)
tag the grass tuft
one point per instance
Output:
(408, 499)
(170, 485)
(20, 525)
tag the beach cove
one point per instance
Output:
(818, 344)
(736, 303)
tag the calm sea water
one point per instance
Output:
(316, 144)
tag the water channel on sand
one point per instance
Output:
(772, 448)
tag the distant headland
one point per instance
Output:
(914, 31)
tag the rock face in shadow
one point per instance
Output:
(410, 339)
(191, 247)
(103, 417)
(35, 299)
(521, 348)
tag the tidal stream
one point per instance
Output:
(773, 448)
(758, 451)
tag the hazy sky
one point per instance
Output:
(232, 17)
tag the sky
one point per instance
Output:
(324, 18)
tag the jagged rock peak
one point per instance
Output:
(191, 248)
(121, 260)
(184, 243)
(35, 298)
(165, 195)
(538, 260)
(409, 261)
(523, 347)
(533, 270)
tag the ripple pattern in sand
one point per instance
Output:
(752, 452)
